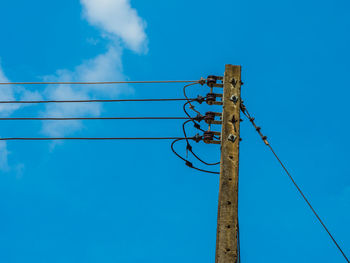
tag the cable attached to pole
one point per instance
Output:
(92, 118)
(264, 138)
(89, 101)
(95, 138)
(99, 82)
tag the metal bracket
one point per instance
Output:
(232, 138)
(234, 99)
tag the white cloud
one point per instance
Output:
(107, 66)
(8, 92)
(117, 18)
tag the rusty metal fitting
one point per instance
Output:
(211, 81)
(208, 136)
(199, 99)
(199, 118)
(209, 117)
(211, 98)
(202, 81)
(197, 138)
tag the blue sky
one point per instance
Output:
(134, 201)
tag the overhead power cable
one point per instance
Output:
(96, 139)
(88, 101)
(92, 118)
(264, 138)
(98, 82)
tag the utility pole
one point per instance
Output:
(227, 224)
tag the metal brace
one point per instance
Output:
(233, 82)
(234, 121)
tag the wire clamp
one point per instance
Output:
(197, 138)
(199, 99)
(197, 126)
(202, 81)
(189, 164)
(199, 118)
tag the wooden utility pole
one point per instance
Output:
(227, 225)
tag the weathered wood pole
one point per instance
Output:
(227, 224)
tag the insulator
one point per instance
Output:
(211, 81)
(211, 97)
(209, 117)
(208, 136)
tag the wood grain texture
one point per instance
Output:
(227, 224)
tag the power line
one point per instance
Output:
(99, 82)
(92, 118)
(264, 138)
(95, 139)
(88, 101)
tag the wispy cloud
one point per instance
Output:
(117, 18)
(7, 93)
(11, 93)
